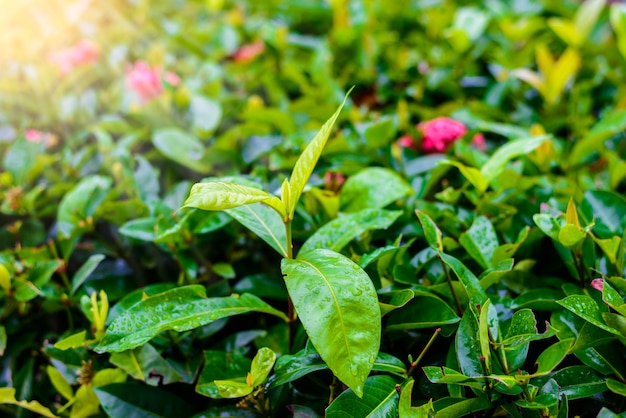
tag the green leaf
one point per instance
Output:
(494, 166)
(60, 384)
(5, 278)
(217, 195)
(308, 159)
(487, 324)
(611, 124)
(338, 306)
(461, 407)
(399, 299)
(431, 231)
(587, 308)
(20, 158)
(379, 399)
(137, 400)
(7, 396)
(181, 147)
(424, 311)
(548, 225)
(473, 175)
(180, 309)
(480, 241)
(570, 235)
(73, 341)
(146, 364)
(219, 365)
(81, 203)
(607, 209)
(468, 346)
(264, 222)
(3, 340)
(578, 382)
(230, 389)
(262, 365)
(205, 113)
(337, 233)
(85, 270)
(405, 409)
(616, 386)
(472, 286)
(618, 21)
(373, 187)
(552, 356)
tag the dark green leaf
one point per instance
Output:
(337, 233)
(136, 400)
(379, 400)
(180, 309)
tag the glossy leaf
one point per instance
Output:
(308, 159)
(217, 195)
(431, 231)
(578, 382)
(337, 233)
(73, 341)
(616, 386)
(373, 188)
(262, 364)
(180, 309)
(379, 399)
(480, 241)
(586, 308)
(552, 356)
(220, 365)
(405, 409)
(230, 389)
(607, 210)
(424, 311)
(461, 407)
(548, 225)
(494, 166)
(467, 343)
(146, 364)
(338, 306)
(264, 222)
(471, 284)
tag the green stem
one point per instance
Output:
(291, 312)
(454, 295)
(62, 273)
(423, 353)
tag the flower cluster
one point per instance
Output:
(438, 134)
(146, 81)
(84, 52)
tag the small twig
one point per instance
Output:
(423, 353)
(454, 295)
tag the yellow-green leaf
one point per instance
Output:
(5, 278)
(60, 384)
(308, 159)
(217, 195)
(571, 216)
(7, 396)
(73, 341)
(473, 175)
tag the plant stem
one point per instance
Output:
(53, 249)
(291, 313)
(423, 353)
(454, 295)
(578, 262)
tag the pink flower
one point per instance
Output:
(597, 284)
(333, 181)
(406, 141)
(33, 135)
(479, 142)
(146, 81)
(84, 52)
(439, 133)
(248, 52)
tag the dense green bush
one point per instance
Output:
(192, 227)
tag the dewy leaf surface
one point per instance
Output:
(308, 159)
(337, 233)
(180, 309)
(373, 187)
(338, 306)
(380, 400)
(217, 195)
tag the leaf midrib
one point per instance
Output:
(336, 300)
